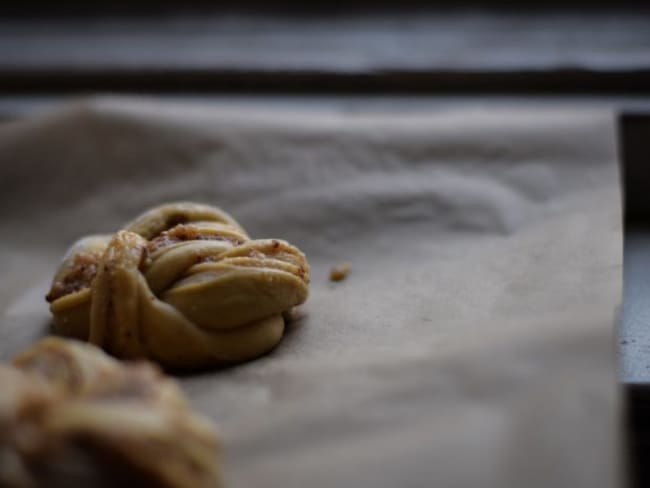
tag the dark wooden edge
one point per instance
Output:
(634, 147)
(553, 81)
(637, 433)
(45, 8)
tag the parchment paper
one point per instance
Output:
(472, 343)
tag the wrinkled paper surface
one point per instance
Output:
(472, 343)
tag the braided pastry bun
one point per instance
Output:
(71, 416)
(183, 285)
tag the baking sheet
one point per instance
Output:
(472, 343)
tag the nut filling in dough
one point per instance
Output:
(71, 416)
(183, 285)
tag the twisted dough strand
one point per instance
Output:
(73, 416)
(183, 285)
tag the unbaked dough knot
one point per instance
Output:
(182, 284)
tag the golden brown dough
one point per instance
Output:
(182, 284)
(71, 416)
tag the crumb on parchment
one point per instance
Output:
(340, 272)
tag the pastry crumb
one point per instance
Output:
(340, 272)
